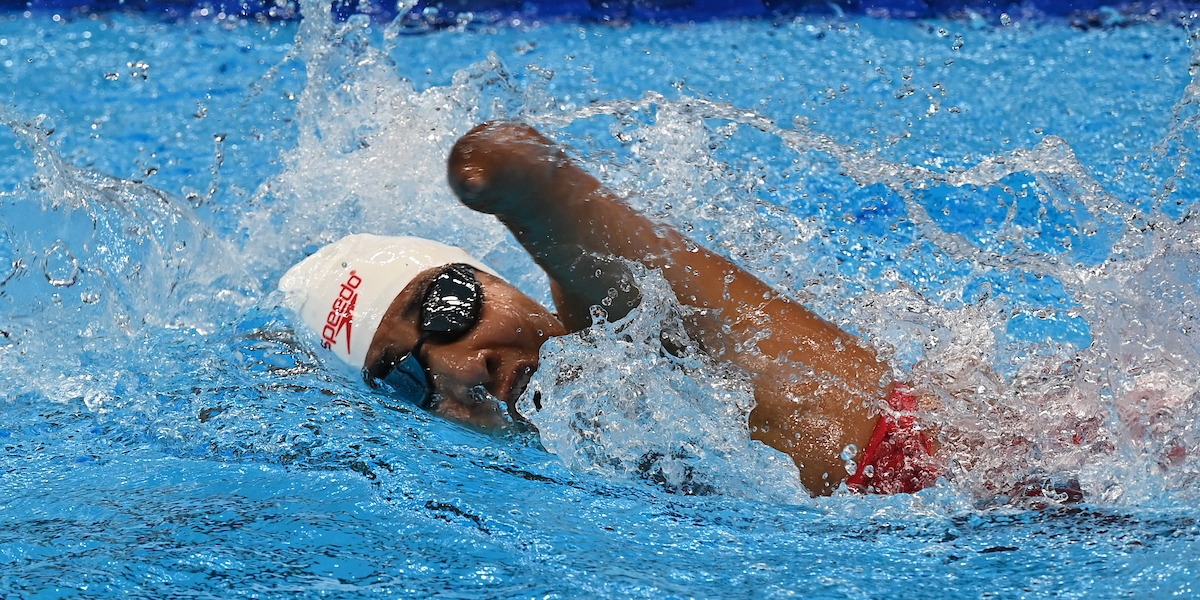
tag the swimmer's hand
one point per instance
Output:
(505, 168)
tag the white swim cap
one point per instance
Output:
(343, 290)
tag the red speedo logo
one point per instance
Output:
(342, 313)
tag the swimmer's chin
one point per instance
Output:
(484, 413)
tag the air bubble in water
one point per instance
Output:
(958, 42)
(61, 268)
(1005, 19)
(89, 297)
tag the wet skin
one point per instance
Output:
(815, 385)
(499, 352)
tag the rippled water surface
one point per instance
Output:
(1005, 211)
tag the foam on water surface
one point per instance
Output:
(1003, 212)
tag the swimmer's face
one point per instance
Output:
(499, 353)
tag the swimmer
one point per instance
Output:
(434, 323)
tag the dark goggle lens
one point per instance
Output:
(450, 308)
(452, 302)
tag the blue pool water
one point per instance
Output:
(1003, 209)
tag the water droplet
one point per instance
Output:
(1113, 492)
(1005, 19)
(89, 297)
(112, 76)
(869, 471)
(95, 399)
(480, 395)
(958, 42)
(848, 455)
(599, 315)
(60, 266)
(180, 245)
(139, 69)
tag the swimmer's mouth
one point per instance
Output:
(520, 382)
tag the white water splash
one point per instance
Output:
(118, 260)
(371, 153)
(370, 156)
(637, 399)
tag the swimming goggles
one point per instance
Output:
(450, 308)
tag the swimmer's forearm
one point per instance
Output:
(566, 219)
(742, 305)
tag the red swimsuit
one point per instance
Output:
(899, 458)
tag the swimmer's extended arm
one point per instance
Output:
(814, 383)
